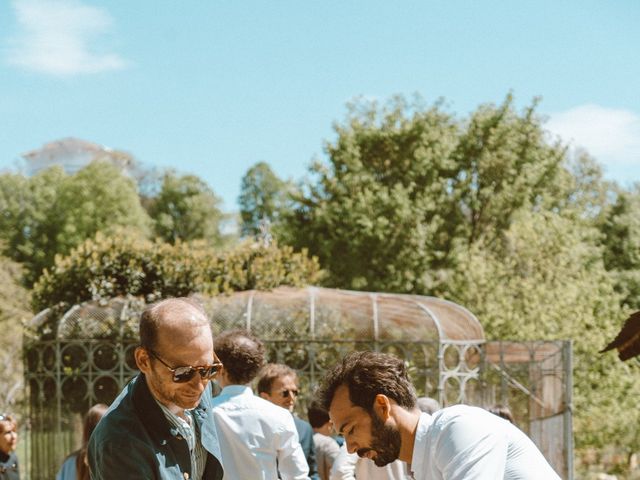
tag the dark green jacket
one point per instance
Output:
(134, 440)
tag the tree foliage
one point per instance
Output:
(125, 263)
(50, 213)
(14, 310)
(263, 196)
(545, 279)
(620, 226)
(186, 209)
(407, 186)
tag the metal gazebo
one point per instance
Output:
(78, 356)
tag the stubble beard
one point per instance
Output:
(169, 397)
(385, 441)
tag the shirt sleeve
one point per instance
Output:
(344, 466)
(310, 448)
(468, 450)
(332, 452)
(292, 465)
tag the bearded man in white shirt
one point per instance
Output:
(373, 405)
(257, 438)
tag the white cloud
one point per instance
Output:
(56, 37)
(612, 136)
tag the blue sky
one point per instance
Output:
(211, 87)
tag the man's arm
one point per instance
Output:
(292, 465)
(344, 466)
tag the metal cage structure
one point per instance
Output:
(83, 355)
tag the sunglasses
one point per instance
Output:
(185, 374)
(286, 393)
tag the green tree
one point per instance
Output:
(407, 186)
(50, 213)
(97, 198)
(545, 279)
(620, 226)
(126, 263)
(14, 311)
(186, 209)
(29, 225)
(263, 196)
(503, 163)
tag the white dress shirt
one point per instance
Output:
(327, 450)
(469, 443)
(257, 438)
(349, 466)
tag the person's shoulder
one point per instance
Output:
(302, 424)
(271, 409)
(459, 412)
(325, 442)
(68, 467)
(468, 421)
(121, 420)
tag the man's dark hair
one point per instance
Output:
(317, 415)
(155, 313)
(241, 353)
(502, 411)
(270, 373)
(367, 374)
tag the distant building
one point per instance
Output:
(71, 154)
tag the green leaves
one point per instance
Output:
(406, 186)
(126, 263)
(186, 209)
(52, 212)
(263, 196)
(14, 311)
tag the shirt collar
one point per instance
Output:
(419, 455)
(172, 416)
(234, 390)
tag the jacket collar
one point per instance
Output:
(148, 410)
(152, 415)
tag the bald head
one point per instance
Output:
(177, 319)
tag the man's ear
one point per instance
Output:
(142, 359)
(382, 407)
(264, 395)
(223, 377)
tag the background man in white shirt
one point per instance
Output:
(373, 405)
(257, 438)
(278, 383)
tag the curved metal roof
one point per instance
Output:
(322, 313)
(285, 313)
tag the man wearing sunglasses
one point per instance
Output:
(258, 440)
(278, 383)
(159, 425)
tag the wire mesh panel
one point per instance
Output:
(534, 380)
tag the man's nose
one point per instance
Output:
(199, 383)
